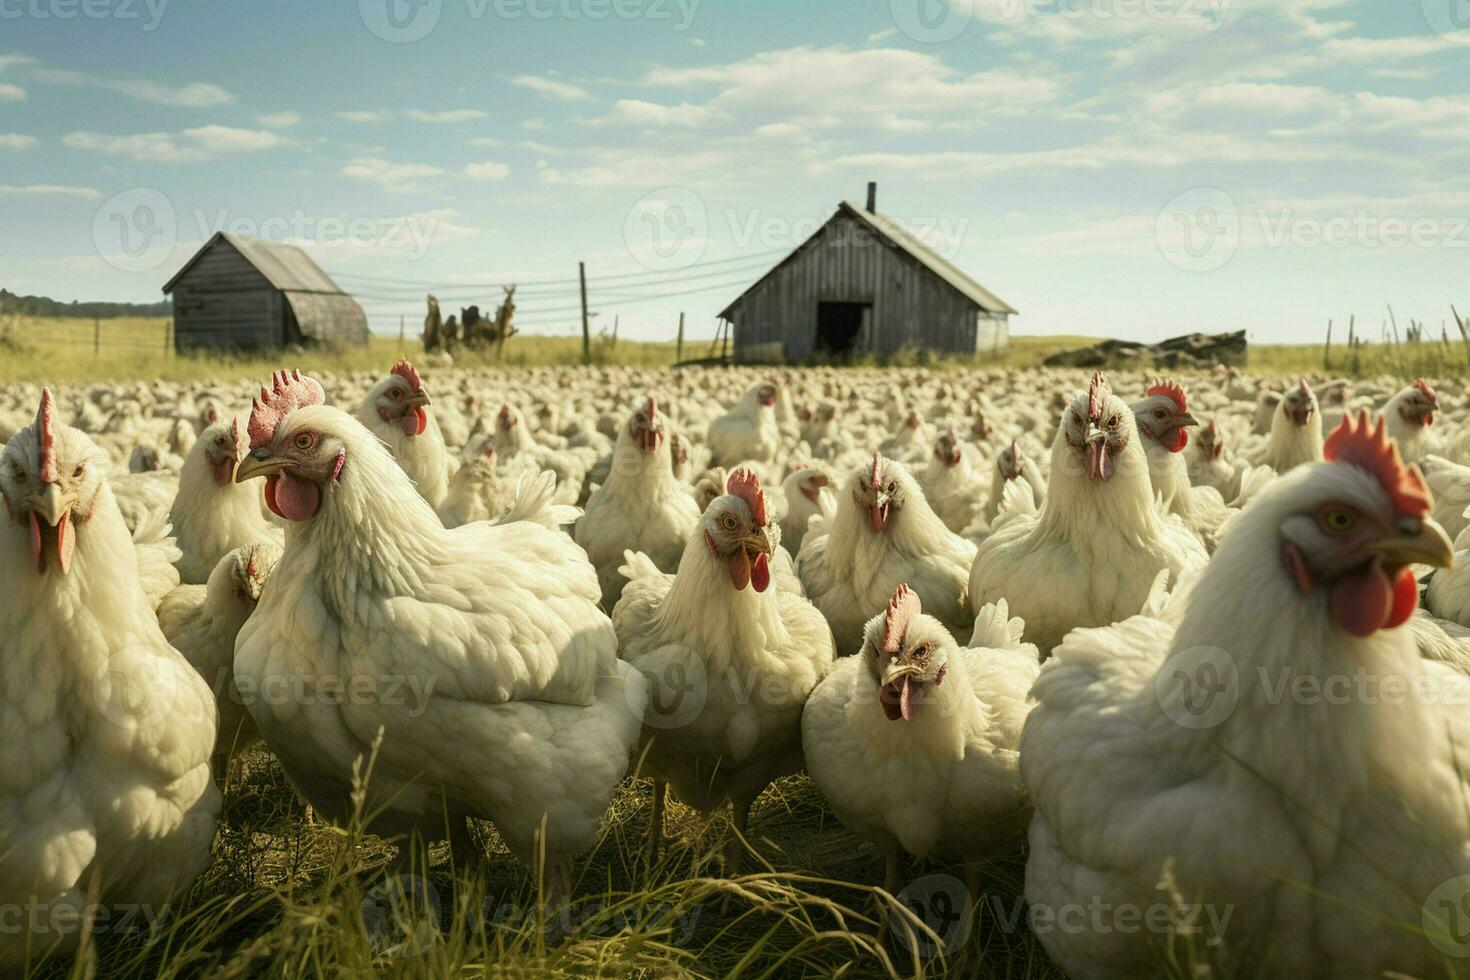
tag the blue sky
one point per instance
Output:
(1134, 168)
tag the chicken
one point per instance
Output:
(1209, 466)
(883, 535)
(212, 515)
(915, 741)
(1296, 431)
(202, 621)
(105, 797)
(953, 483)
(729, 660)
(910, 442)
(1232, 764)
(1162, 417)
(476, 657)
(396, 410)
(640, 508)
(749, 432)
(514, 444)
(1450, 486)
(1091, 555)
(807, 494)
(478, 491)
(141, 497)
(1011, 463)
(1409, 415)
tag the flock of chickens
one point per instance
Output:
(975, 608)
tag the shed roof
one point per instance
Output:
(905, 241)
(285, 267)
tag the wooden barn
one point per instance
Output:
(863, 284)
(243, 292)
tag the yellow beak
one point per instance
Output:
(1430, 545)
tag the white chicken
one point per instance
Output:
(212, 515)
(105, 796)
(953, 483)
(915, 741)
(1296, 431)
(808, 494)
(749, 432)
(477, 657)
(1409, 415)
(641, 507)
(396, 410)
(1152, 751)
(729, 660)
(1162, 417)
(1090, 557)
(883, 535)
(1011, 463)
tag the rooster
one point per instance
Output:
(212, 515)
(641, 507)
(756, 651)
(1296, 431)
(478, 656)
(1409, 415)
(1162, 417)
(396, 410)
(915, 740)
(1092, 553)
(202, 621)
(883, 534)
(1151, 749)
(105, 792)
(749, 432)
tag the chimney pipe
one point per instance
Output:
(872, 197)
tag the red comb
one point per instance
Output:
(46, 435)
(1426, 390)
(1358, 443)
(289, 391)
(744, 484)
(235, 431)
(1171, 390)
(1305, 388)
(406, 371)
(902, 609)
(652, 408)
(1097, 392)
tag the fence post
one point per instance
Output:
(96, 336)
(679, 344)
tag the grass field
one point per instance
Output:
(68, 350)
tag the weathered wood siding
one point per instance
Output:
(848, 262)
(224, 301)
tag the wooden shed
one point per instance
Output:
(243, 292)
(862, 284)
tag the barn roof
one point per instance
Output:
(285, 267)
(903, 240)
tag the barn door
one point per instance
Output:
(839, 327)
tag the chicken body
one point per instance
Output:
(749, 432)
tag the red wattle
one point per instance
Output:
(1179, 440)
(1363, 602)
(224, 472)
(36, 553)
(1405, 599)
(740, 569)
(760, 573)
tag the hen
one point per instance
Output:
(477, 656)
(104, 767)
(883, 535)
(1296, 431)
(213, 515)
(915, 741)
(953, 483)
(729, 659)
(1409, 415)
(1090, 557)
(749, 432)
(1155, 757)
(396, 410)
(1162, 418)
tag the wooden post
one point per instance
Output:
(168, 336)
(725, 347)
(586, 330)
(1327, 349)
(616, 318)
(400, 329)
(96, 336)
(679, 344)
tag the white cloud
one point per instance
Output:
(883, 35)
(189, 146)
(635, 112)
(489, 170)
(16, 141)
(552, 88)
(363, 116)
(278, 120)
(49, 190)
(11, 93)
(445, 115)
(399, 178)
(8, 61)
(192, 95)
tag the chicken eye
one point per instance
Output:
(1337, 520)
(893, 487)
(396, 394)
(729, 522)
(1159, 413)
(77, 473)
(305, 440)
(1077, 417)
(1113, 422)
